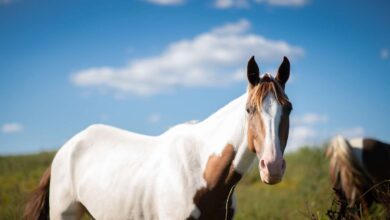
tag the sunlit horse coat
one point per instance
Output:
(188, 172)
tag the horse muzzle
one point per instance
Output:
(272, 173)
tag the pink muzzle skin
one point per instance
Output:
(272, 171)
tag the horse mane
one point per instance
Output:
(37, 206)
(268, 84)
(345, 171)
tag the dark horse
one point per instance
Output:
(360, 172)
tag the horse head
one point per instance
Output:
(268, 112)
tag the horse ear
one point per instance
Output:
(283, 72)
(253, 72)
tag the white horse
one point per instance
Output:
(188, 172)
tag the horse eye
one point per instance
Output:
(250, 110)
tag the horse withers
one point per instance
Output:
(188, 172)
(360, 172)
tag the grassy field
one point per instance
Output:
(18, 176)
(304, 193)
(305, 190)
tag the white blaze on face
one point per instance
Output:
(271, 113)
(271, 159)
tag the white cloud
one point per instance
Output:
(300, 136)
(154, 118)
(6, 2)
(352, 132)
(384, 54)
(284, 2)
(308, 132)
(166, 2)
(217, 57)
(223, 4)
(310, 118)
(305, 130)
(236, 28)
(11, 128)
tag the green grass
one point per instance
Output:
(304, 191)
(19, 175)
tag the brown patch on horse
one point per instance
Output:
(255, 124)
(256, 95)
(221, 178)
(376, 159)
(37, 206)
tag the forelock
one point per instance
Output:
(267, 85)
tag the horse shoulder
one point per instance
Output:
(179, 177)
(214, 199)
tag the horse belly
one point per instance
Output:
(118, 201)
(115, 189)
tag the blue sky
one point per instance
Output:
(147, 65)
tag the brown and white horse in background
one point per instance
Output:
(188, 172)
(360, 171)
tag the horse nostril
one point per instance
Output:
(262, 164)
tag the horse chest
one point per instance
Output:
(221, 178)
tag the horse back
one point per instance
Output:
(376, 159)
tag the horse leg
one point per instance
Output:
(70, 211)
(63, 205)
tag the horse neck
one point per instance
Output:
(228, 126)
